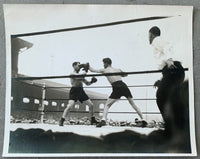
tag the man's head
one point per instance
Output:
(153, 32)
(76, 67)
(107, 62)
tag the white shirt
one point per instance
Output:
(163, 52)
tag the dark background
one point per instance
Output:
(196, 55)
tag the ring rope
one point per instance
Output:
(72, 111)
(101, 86)
(105, 99)
(68, 87)
(90, 75)
(88, 26)
(49, 99)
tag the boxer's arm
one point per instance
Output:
(87, 82)
(123, 73)
(93, 80)
(96, 70)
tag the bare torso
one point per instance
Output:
(112, 79)
(76, 82)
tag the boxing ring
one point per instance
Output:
(43, 99)
(38, 102)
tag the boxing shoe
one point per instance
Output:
(140, 123)
(93, 80)
(93, 120)
(61, 122)
(102, 123)
(144, 123)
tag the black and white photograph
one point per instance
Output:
(99, 80)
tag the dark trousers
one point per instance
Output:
(168, 95)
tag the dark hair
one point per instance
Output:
(75, 63)
(107, 60)
(155, 31)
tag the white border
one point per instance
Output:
(99, 155)
(8, 103)
(191, 94)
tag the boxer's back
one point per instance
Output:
(112, 79)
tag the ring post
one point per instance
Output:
(42, 106)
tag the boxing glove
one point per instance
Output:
(85, 67)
